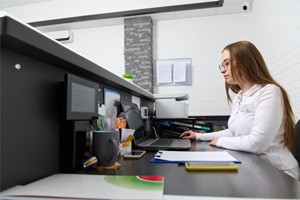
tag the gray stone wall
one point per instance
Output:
(138, 50)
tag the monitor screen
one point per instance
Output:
(81, 98)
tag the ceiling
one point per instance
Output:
(13, 3)
(229, 7)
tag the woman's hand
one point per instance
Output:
(214, 142)
(188, 135)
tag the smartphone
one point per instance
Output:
(211, 165)
(135, 154)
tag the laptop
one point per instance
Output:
(141, 137)
(144, 141)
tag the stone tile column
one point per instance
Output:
(138, 50)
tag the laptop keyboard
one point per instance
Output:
(164, 142)
(183, 142)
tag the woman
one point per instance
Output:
(262, 119)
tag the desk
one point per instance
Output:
(256, 178)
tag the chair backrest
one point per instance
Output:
(297, 141)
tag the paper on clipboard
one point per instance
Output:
(182, 156)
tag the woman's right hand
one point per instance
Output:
(188, 135)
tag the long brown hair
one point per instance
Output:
(250, 65)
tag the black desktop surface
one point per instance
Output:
(255, 178)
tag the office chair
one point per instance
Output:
(297, 141)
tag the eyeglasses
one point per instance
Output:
(224, 65)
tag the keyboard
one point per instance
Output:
(164, 142)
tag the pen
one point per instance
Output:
(203, 128)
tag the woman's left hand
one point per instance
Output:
(214, 142)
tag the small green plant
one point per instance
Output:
(126, 75)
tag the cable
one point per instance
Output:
(93, 129)
(156, 136)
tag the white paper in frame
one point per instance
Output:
(173, 72)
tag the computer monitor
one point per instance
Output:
(82, 97)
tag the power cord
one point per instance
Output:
(156, 136)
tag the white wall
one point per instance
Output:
(271, 25)
(104, 46)
(279, 42)
(201, 39)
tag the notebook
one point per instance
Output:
(142, 139)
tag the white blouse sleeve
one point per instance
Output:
(213, 135)
(267, 122)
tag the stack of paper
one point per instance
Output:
(192, 156)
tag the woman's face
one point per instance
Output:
(225, 68)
